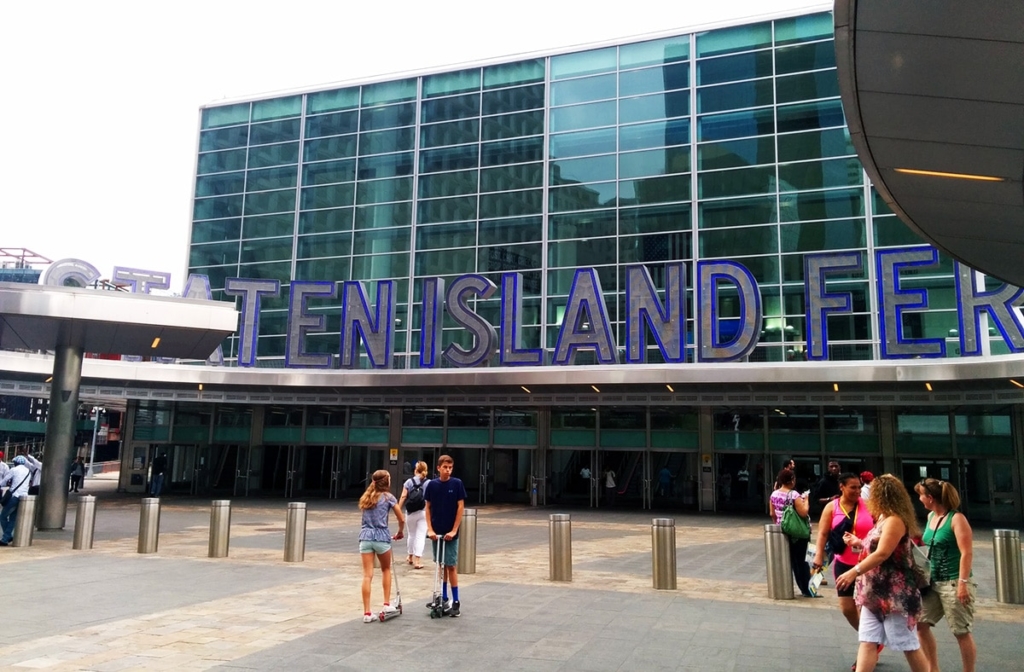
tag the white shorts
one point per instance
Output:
(894, 631)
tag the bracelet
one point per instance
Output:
(965, 580)
(856, 568)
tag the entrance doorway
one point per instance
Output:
(740, 481)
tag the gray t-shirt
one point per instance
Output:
(375, 520)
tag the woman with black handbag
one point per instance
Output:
(848, 513)
(784, 497)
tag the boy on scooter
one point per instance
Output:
(445, 500)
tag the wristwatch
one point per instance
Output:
(856, 568)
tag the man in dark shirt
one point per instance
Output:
(445, 500)
(159, 467)
(828, 487)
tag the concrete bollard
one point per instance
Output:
(467, 543)
(149, 525)
(24, 525)
(663, 553)
(295, 532)
(220, 527)
(776, 553)
(85, 522)
(1009, 577)
(560, 547)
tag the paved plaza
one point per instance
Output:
(112, 609)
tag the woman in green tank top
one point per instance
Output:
(950, 543)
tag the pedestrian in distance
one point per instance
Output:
(866, 477)
(885, 581)
(17, 478)
(77, 474)
(785, 495)
(445, 503)
(950, 543)
(36, 467)
(375, 537)
(414, 501)
(609, 487)
(3, 465)
(159, 466)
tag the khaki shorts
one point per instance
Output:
(941, 601)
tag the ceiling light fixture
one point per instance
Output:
(835, 387)
(958, 176)
(594, 387)
(200, 387)
(156, 342)
(669, 387)
(1016, 383)
(526, 389)
(928, 386)
(50, 379)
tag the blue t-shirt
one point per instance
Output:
(375, 520)
(444, 498)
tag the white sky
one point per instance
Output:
(100, 99)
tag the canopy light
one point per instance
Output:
(928, 386)
(1016, 383)
(835, 387)
(156, 342)
(594, 387)
(525, 389)
(669, 387)
(958, 176)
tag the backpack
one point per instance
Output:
(415, 501)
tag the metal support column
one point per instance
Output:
(60, 431)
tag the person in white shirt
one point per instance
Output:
(17, 479)
(36, 467)
(3, 465)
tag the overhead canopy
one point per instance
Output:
(33, 316)
(938, 86)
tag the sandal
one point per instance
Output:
(417, 566)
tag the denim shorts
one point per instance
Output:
(894, 631)
(377, 547)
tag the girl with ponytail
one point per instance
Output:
(375, 536)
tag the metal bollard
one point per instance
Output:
(85, 522)
(24, 525)
(220, 527)
(776, 553)
(295, 532)
(560, 547)
(663, 553)
(1009, 577)
(149, 525)
(467, 543)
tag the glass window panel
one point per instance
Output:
(738, 212)
(820, 174)
(512, 151)
(330, 196)
(662, 218)
(513, 125)
(741, 182)
(891, 231)
(583, 90)
(659, 247)
(735, 96)
(225, 115)
(581, 197)
(582, 225)
(330, 101)
(583, 63)
(217, 208)
(462, 234)
(793, 271)
(389, 92)
(513, 100)
(223, 138)
(266, 202)
(451, 158)
(804, 28)
(441, 262)
(377, 216)
(276, 108)
(805, 116)
(736, 125)
(337, 147)
(508, 178)
(451, 82)
(583, 253)
(807, 86)
(213, 255)
(268, 249)
(383, 191)
(815, 145)
(738, 243)
(273, 155)
(217, 276)
(453, 107)
(560, 282)
(329, 172)
(268, 226)
(832, 234)
(448, 184)
(583, 116)
(389, 165)
(511, 203)
(323, 221)
(446, 210)
(509, 258)
(384, 142)
(219, 185)
(879, 206)
(651, 80)
(453, 133)
(836, 204)
(271, 178)
(217, 162)
(376, 119)
(655, 190)
(816, 56)
(327, 245)
(381, 266)
(215, 230)
(582, 143)
(735, 153)
(658, 106)
(590, 169)
(653, 52)
(734, 68)
(656, 134)
(653, 162)
(508, 74)
(738, 38)
(332, 124)
(510, 231)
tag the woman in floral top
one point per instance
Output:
(886, 585)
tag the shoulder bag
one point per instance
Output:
(794, 525)
(922, 566)
(835, 544)
(10, 491)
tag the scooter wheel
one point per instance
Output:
(381, 616)
(399, 608)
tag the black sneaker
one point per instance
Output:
(454, 611)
